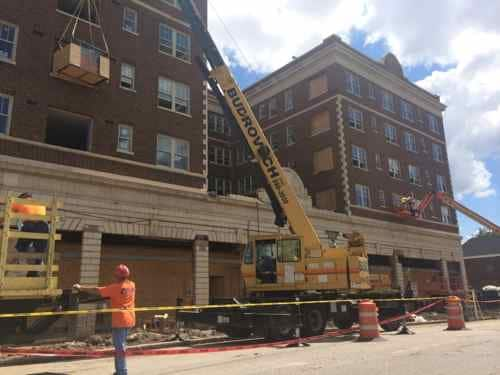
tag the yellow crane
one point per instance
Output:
(279, 266)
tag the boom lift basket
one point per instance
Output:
(14, 280)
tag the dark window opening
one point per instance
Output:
(80, 8)
(68, 130)
(379, 260)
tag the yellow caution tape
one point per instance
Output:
(196, 307)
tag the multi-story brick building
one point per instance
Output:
(119, 132)
(139, 123)
(358, 133)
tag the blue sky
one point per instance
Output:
(484, 199)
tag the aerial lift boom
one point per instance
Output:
(447, 200)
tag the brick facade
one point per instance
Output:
(35, 92)
(323, 99)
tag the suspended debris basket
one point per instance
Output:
(82, 63)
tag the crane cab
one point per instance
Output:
(282, 264)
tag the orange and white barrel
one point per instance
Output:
(368, 320)
(455, 314)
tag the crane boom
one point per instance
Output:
(225, 87)
(450, 202)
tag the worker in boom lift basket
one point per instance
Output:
(122, 296)
(25, 245)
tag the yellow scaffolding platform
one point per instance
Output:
(14, 282)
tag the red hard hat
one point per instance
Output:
(122, 271)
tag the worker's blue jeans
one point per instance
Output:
(120, 344)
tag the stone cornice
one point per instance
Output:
(342, 54)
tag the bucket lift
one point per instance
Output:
(78, 61)
(410, 207)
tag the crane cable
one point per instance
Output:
(226, 28)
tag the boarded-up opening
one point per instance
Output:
(326, 199)
(318, 86)
(320, 123)
(323, 160)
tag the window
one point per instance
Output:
(388, 101)
(243, 154)
(391, 134)
(320, 123)
(172, 152)
(246, 185)
(355, 119)
(371, 91)
(263, 111)
(5, 113)
(125, 137)
(359, 159)
(326, 199)
(288, 251)
(441, 184)
(424, 145)
(219, 185)
(437, 152)
(8, 42)
(381, 198)
(72, 6)
(407, 112)
(410, 142)
(362, 195)
(352, 84)
(394, 168)
(175, 43)
(217, 124)
(174, 96)
(433, 123)
(445, 215)
(127, 79)
(378, 161)
(323, 160)
(273, 140)
(373, 124)
(219, 155)
(318, 86)
(182, 46)
(273, 107)
(288, 100)
(290, 136)
(130, 18)
(420, 119)
(414, 174)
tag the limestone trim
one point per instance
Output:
(368, 109)
(160, 13)
(100, 156)
(454, 226)
(343, 158)
(344, 55)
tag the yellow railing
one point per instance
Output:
(14, 279)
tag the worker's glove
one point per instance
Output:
(77, 287)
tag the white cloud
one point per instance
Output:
(455, 33)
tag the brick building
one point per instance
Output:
(121, 137)
(358, 133)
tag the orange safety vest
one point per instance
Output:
(29, 209)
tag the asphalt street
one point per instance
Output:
(431, 351)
